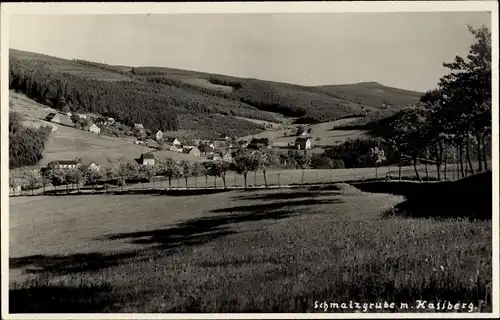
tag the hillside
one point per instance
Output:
(204, 104)
(68, 143)
(373, 94)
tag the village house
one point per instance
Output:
(243, 143)
(69, 114)
(94, 129)
(303, 143)
(220, 144)
(256, 144)
(227, 156)
(94, 166)
(147, 159)
(159, 135)
(81, 115)
(173, 141)
(110, 120)
(175, 148)
(64, 164)
(214, 157)
(194, 151)
(138, 127)
(53, 117)
(206, 149)
(91, 165)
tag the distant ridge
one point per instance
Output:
(206, 103)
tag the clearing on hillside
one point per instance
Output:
(325, 131)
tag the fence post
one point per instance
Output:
(279, 184)
(354, 169)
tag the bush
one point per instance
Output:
(320, 162)
(338, 164)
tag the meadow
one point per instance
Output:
(213, 253)
(325, 131)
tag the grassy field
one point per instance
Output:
(212, 253)
(67, 143)
(325, 131)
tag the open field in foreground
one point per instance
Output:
(270, 250)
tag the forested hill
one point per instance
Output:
(172, 99)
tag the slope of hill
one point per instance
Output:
(67, 143)
(373, 94)
(204, 104)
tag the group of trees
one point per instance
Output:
(168, 168)
(26, 144)
(453, 122)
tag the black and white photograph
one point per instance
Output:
(297, 160)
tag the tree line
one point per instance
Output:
(124, 173)
(26, 144)
(453, 121)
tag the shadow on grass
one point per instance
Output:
(60, 299)
(161, 242)
(311, 192)
(470, 197)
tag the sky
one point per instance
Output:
(403, 50)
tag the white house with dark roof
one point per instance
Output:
(53, 117)
(303, 143)
(147, 159)
(173, 141)
(94, 129)
(159, 135)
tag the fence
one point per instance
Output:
(285, 178)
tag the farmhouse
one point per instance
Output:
(173, 141)
(69, 114)
(243, 143)
(220, 144)
(52, 117)
(214, 157)
(94, 129)
(303, 143)
(139, 128)
(110, 120)
(64, 164)
(227, 156)
(207, 149)
(147, 159)
(256, 144)
(91, 165)
(81, 115)
(159, 135)
(175, 148)
(193, 151)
